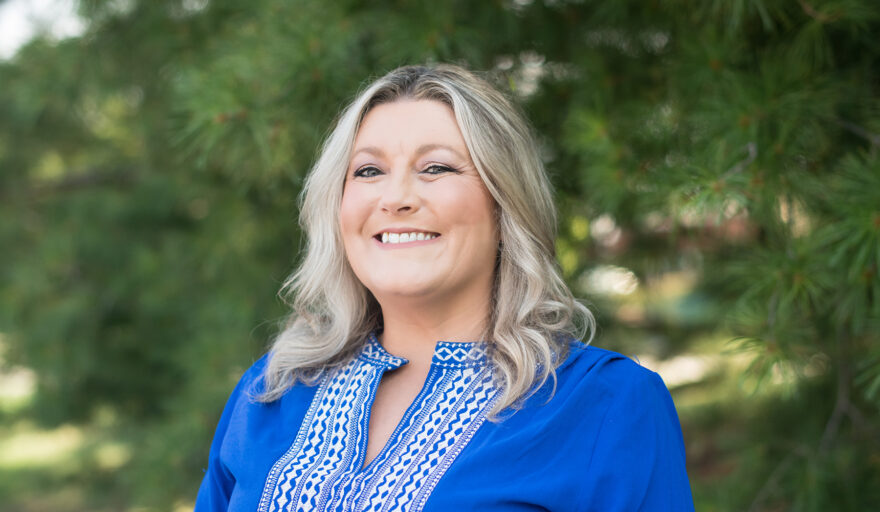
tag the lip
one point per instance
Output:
(377, 238)
(407, 245)
(404, 230)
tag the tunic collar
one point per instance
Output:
(447, 354)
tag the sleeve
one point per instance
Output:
(218, 481)
(639, 456)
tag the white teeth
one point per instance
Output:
(402, 238)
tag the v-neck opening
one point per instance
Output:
(389, 444)
(326, 464)
(447, 354)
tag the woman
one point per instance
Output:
(429, 217)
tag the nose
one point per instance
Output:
(399, 195)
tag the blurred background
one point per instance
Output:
(716, 165)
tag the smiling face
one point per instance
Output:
(417, 221)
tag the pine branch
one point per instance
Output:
(752, 150)
(873, 138)
(771, 309)
(816, 15)
(772, 482)
(841, 405)
(79, 180)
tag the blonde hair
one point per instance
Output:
(533, 313)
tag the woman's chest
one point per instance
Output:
(327, 466)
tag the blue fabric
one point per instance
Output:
(608, 440)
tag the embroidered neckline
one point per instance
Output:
(323, 468)
(447, 354)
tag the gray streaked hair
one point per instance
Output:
(533, 313)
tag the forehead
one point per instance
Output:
(410, 123)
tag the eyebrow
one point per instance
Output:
(424, 148)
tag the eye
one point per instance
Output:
(438, 169)
(367, 172)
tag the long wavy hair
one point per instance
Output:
(533, 313)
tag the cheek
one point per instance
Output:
(353, 214)
(353, 210)
(474, 210)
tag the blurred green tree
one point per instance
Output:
(149, 171)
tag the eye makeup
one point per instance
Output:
(371, 171)
(368, 171)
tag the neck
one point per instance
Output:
(413, 328)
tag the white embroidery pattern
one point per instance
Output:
(322, 469)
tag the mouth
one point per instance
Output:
(396, 237)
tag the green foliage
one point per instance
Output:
(722, 155)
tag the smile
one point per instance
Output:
(404, 238)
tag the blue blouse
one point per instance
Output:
(608, 440)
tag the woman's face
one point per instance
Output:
(417, 221)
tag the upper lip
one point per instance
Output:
(405, 230)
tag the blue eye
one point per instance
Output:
(367, 172)
(438, 169)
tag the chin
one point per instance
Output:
(403, 289)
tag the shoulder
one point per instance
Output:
(636, 441)
(596, 387)
(252, 379)
(249, 420)
(587, 365)
(250, 383)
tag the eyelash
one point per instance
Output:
(441, 168)
(360, 173)
(434, 169)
